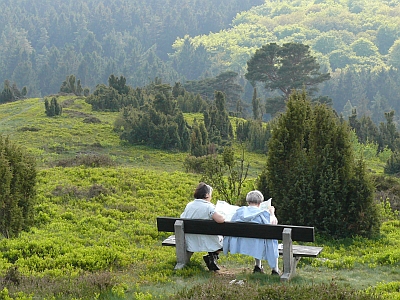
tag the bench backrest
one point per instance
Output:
(239, 229)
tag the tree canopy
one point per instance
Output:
(286, 68)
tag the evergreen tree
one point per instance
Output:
(71, 86)
(198, 147)
(216, 120)
(52, 108)
(257, 112)
(388, 134)
(17, 185)
(7, 94)
(312, 173)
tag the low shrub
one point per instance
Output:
(91, 120)
(88, 160)
(250, 290)
(80, 287)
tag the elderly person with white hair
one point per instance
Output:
(260, 249)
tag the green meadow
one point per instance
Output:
(95, 233)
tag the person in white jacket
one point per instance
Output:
(202, 208)
(260, 249)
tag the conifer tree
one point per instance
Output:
(313, 176)
(257, 112)
(388, 134)
(197, 147)
(17, 185)
(52, 108)
(7, 94)
(216, 120)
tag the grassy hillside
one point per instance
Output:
(95, 234)
(82, 131)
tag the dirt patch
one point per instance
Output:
(76, 113)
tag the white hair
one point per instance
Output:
(254, 197)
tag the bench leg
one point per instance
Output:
(182, 255)
(289, 262)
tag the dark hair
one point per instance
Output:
(202, 190)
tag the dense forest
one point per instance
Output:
(44, 41)
(356, 41)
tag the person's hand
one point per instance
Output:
(273, 220)
(272, 210)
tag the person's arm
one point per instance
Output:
(217, 217)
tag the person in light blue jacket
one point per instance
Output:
(260, 249)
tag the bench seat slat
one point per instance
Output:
(239, 229)
(298, 250)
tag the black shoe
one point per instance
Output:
(276, 273)
(257, 269)
(206, 259)
(213, 266)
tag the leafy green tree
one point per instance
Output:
(326, 43)
(312, 173)
(385, 37)
(227, 174)
(394, 54)
(17, 185)
(285, 68)
(364, 47)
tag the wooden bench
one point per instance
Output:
(287, 233)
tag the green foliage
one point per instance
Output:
(393, 164)
(70, 85)
(11, 93)
(226, 82)
(394, 54)
(217, 122)
(249, 290)
(312, 174)
(285, 68)
(198, 140)
(255, 134)
(88, 160)
(103, 219)
(364, 47)
(18, 180)
(152, 127)
(53, 108)
(116, 96)
(227, 175)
